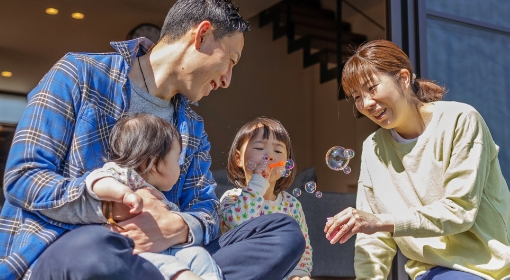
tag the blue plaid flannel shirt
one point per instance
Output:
(63, 135)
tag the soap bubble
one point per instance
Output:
(347, 170)
(318, 194)
(296, 192)
(265, 158)
(289, 164)
(336, 159)
(310, 187)
(250, 165)
(348, 153)
(286, 173)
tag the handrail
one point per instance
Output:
(363, 14)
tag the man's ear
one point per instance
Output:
(238, 159)
(202, 29)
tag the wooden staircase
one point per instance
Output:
(318, 32)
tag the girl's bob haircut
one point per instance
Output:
(249, 131)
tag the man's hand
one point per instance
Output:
(155, 228)
(122, 212)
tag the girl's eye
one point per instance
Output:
(278, 152)
(233, 62)
(372, 87)
(260, 149)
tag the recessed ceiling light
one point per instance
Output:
(6, 74)
(51, 11)
(78, 15)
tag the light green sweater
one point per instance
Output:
(446, 194)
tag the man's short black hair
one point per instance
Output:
(186, 14)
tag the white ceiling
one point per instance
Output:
(32, 41)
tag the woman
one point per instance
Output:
(430, 180)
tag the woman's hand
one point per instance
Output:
(351, 221)
(155, 228)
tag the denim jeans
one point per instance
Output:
(443, 273)
(267, 247)
(195, 258)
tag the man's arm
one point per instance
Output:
(34, 177)
(198, 198)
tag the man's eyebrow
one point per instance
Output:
(238, 56)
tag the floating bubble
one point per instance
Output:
(310, 187)
(318, 194)
(289, 164)
(335, 158)
(286, 173)
(347, 170)
(265, 158)
(348, 153)
(296, 192)
(250, 164)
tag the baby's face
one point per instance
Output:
(165, 173)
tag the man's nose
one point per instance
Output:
(225, 79)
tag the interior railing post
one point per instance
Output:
(339, 63)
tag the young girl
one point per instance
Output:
(144, 153)
(262, 190)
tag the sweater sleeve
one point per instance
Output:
(240, 205)
(373, 253)
(466, 170)
(305, 265)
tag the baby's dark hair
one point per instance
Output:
(249, 131)
(141, 138)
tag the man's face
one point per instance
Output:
(211, 65)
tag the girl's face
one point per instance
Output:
(165, 173)
(383, 102)
(256, 148)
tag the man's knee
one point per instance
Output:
(89, 252)
(289, 232)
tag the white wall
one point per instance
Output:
(270, 82)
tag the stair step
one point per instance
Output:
(314, 21)
(329, 34)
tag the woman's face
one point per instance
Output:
(382, 101)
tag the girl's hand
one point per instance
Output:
(351, 221)
(155, 228)
(263, 170)
(134, 202)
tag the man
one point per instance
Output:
(63, 134)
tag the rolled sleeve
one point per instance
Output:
(195, 228)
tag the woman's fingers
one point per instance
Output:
(344, 232)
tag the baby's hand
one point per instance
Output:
(134, 202)
(263, 170)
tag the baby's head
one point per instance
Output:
(258, 137)
(148, 144)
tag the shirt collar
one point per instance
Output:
(133, 48)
